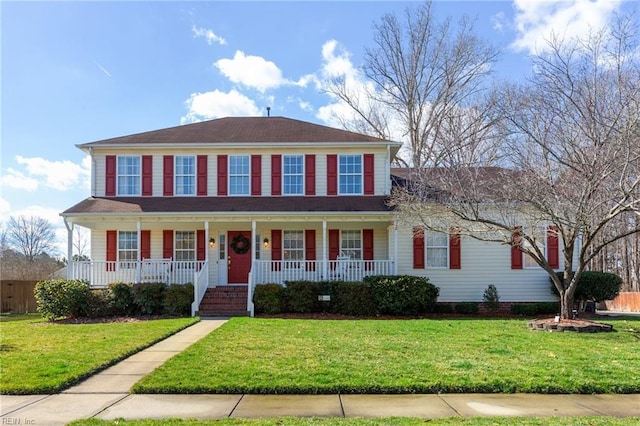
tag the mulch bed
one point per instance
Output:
(571, 325)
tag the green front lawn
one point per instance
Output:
(401, 356)
(41, 357)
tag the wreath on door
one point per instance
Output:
(240, 244)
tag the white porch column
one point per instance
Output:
(253, 243)
(325, 255)
(139, 255)
(206, 241)
(395, 249)
(69, 227)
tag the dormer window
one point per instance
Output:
(128, 175)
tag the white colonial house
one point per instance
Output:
(230, 203)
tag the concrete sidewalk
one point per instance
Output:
(106, 396)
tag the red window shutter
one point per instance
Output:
(334, 244)
(276, 175)
(418, 248)
(167, 243)
(110, 176)
(276, 248)
(310, 248)
(516, 254)
(167, 176)
(455, 242)
(310, 174)
(553, 247)
(202, 173)
(112, 249)
(367, 248)
(201, 245)
(145, 244)
(368, 174)
(256, 175)
(332, 174)
(147, 175)
(222, 175)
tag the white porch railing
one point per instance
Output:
(101, 273)
(279, 271)
(200, 284)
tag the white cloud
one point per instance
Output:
(208, 35)
(536, 21)
(5, 208)
(337, 61)
(251, 71)
(12, 178)
(60, 175)
(216, 104)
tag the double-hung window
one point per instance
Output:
(185, 175)
(239, 175)
(128, 175)
(350, 174)
(127, 249)
(436, 249)
(540, 240)
(185, 247)
(351, 244)
(293, 248)
(293, 174)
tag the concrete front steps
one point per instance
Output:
(224, 301)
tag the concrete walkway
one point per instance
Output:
(106, 396)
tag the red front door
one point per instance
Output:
(239, 256)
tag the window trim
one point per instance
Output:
(339, 174)
(193, 176)
(284, 174)
(230, 175)
(138, 193)
(428, 247)
(194, 251)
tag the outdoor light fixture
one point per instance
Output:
(265, 242)
(212, 242)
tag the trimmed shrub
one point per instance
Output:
(402, 294)
(178, 299)
(594, 285)
(547, 308)
(301, 296)
(122, 298)
(98, 304)
(352, 298)
(62, 298)
(443, 308)
(524, 309)
(269, 299)
(467, 308)
(149, 297)
(491, 298)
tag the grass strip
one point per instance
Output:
(40, 357)
(274, 356)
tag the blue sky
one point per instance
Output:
(76, 72)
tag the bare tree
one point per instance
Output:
(81, 244)
(30, 236)
(573, 151)
(421, 77)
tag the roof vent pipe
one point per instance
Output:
(268, 111)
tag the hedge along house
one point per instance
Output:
(230, 203)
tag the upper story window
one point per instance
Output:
(293, 174)
(185, 175)
(185, 247)
(239, 175)
(127, 249)
(351, 244)
(437, 249)
(350, 174)
(128, 175)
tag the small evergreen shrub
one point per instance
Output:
(122, 298)
(301, 296)
(62, 298)
(402, 294)
(352, 298)
(547, 308)
(178, 299)
(443, 308)
(149, 298)
(98, 304)
(467, 308)
(491, 298)
(524, 309)
(594, 285)
(269, 299)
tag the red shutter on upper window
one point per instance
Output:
(222, 175)
(553, 247)
(202, 173)
(334, 244)
(147, 175)
(516, 254)
(112, 250)
(310, 174)
(455, 255)
(276, 175)
(167, 243)
(368, 174)
(367, 249)
(167, 176)
(201, 245)
(418, 248)
(310, 248)
(332, 174)
(145, 244)
(276, 248)
(110, 176)
(256, 175)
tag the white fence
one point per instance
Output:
(101, 273)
